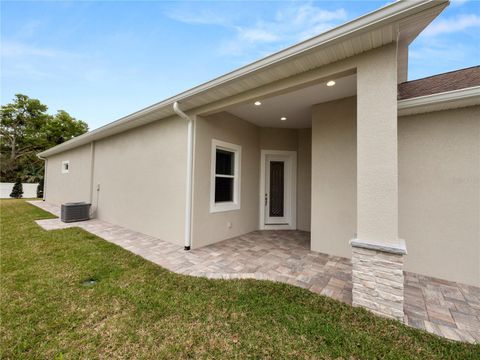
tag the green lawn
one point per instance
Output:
(140, 310)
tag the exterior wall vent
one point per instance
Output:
(77, 211)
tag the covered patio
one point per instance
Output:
(445, 308)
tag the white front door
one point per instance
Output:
(279, 189)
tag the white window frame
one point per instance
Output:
(66, 162)
(237, 150)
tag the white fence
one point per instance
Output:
(29, 190)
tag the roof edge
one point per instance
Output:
(384, 15)
(457, 98)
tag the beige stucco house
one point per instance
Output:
(326, 136)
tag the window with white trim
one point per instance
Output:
(225, 176)
(65, 167)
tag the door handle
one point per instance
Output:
(266, 199)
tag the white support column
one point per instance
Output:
(377, 255)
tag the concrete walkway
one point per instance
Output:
(441, 307)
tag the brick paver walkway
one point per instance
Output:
(441, 307)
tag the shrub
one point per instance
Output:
(17, 191)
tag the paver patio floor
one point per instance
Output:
(441, 307)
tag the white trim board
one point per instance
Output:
(293, 195)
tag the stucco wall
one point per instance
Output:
(278, 139)
(73, 186)
(141, 174)
(212, 227)
(439, 188)
(304, 179)
(439, 193)
(334, 176)
(377, 150)
(141, 177)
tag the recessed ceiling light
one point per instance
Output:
(283, 118)
(257, 103)
(331, 83)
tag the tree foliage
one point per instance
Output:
(27, 129)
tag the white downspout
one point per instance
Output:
(188, 200)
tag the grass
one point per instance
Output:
(137, 309)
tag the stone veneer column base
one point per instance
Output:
(377, 276)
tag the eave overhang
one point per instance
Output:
(398, 22)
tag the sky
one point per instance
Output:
(101, 60)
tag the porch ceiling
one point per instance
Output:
(295, 105)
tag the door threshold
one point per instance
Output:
(277, 227)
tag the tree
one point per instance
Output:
(26, 129)
(20, 128)
(62, 127)
(17, 191)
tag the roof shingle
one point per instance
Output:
(454, 80)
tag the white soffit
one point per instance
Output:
(381, 27)
(295, 105)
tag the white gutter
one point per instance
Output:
(440, 101)
(188, 197)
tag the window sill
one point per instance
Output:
(223, 207)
